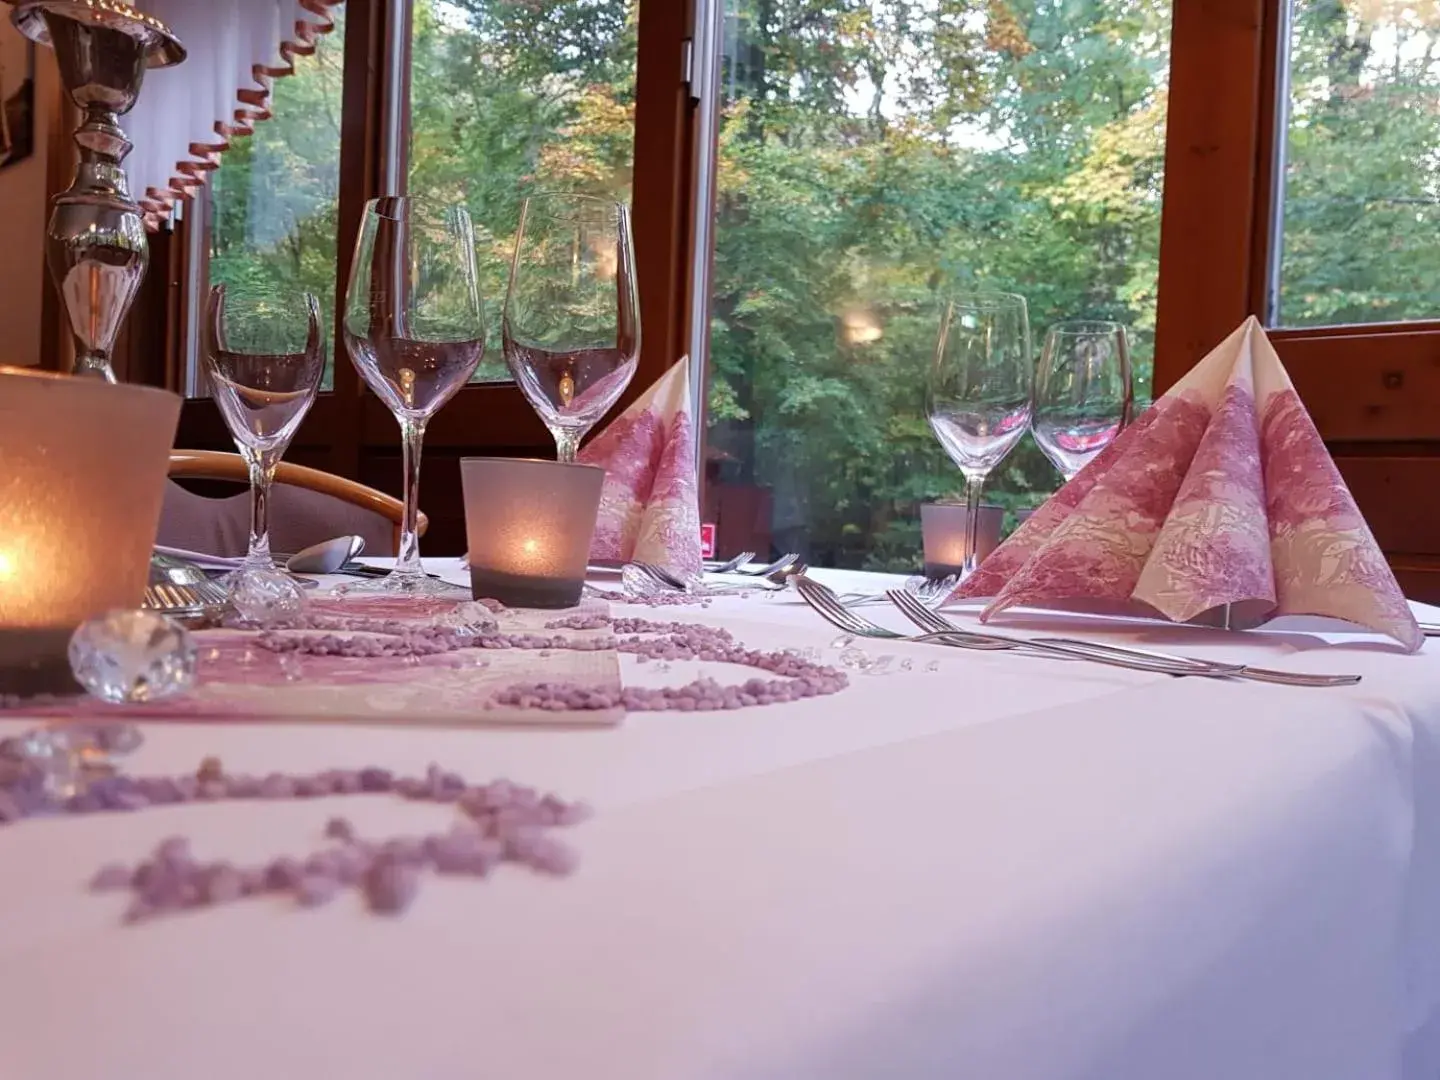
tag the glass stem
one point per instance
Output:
(262, 474)
(973, 484)
(407, 560)
(567, 442)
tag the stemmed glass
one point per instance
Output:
(415, 332)
(978, 397)
(1084, 394)
(265, 353)
(571, 328)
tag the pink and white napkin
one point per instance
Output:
(1222, 493)
(650, 504)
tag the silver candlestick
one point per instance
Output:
(96, 244)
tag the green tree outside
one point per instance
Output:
(875, 155)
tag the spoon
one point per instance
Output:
(327, 556)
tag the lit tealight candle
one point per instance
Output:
(942, 527)
(529, 524)
(82, 476)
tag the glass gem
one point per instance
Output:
(265, 597)
(127, 656)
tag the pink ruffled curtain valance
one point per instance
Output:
(187, 115)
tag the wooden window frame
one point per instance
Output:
(1371, 389)
(349, 431)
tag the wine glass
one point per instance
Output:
(571, 328)
(1084, 396)
(978, 397)
(415, 332)
(265, 353)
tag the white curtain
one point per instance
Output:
(187, 114)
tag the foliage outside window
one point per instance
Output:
(275, 198)
(1362, 180)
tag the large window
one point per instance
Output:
(1361, 165)
(871, 158)
(507, 99)
(1174, 167)
(273, 205)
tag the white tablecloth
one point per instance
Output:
(1008, 869)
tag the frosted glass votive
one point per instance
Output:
(528, 525)
(82, 475)
(942, 527)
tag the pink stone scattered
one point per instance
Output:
(499, 822)
(334, 635)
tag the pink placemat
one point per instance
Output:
(238, 679)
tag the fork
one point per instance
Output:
(930, 620)
(664, 579)
(785, 562)
(824, 601)
(730, 565)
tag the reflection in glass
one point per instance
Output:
(978, 396)
(572, 312)
(415, 332)
(275, 198)
(265, 351)
(507, 100)
(1083, 392)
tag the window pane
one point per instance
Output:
(1361, 205)
(508, 98)
(276, 194)
(875, 155)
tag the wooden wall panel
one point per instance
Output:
(1367, 385)
(1211, 151)
(1396, 495)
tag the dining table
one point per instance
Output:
(966, 864)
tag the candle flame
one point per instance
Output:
(7, 566)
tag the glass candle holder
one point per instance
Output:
(529, 525)
(82, 476)
(942, 526)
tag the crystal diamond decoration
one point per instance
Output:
(130, 656)
(266, 597)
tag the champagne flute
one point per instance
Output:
(1084, 395)
(415, 332)
(571, 328)
(978, 397)
(265, 353)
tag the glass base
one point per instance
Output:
(403, 583)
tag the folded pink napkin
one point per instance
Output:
(649, 507)
(1222, 493)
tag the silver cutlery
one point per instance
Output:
(183, 591)
(729, 565)
(824, 601)
(785, 562)
(929, 620)
(931, 592)
(643, 576)
(326, 557)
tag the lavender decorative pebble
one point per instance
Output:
(316, 889)
(339, 828)
(358, 636)
(502, 822)
(391, 885)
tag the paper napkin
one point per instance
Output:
(1222, 493)
(649, 506)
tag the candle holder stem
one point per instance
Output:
(95, 244)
